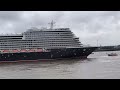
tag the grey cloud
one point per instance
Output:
(88, 25)
(10, 15)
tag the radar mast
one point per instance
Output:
(52, 24)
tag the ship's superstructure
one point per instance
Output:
(40, 38)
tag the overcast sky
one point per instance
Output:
(89, 26)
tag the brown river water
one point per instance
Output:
(97, 66)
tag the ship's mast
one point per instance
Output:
(52, 24)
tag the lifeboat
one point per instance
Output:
(5, 51)
(31, 50)
(23, 50)
(39, 50)
(112, 54)
(15, 51)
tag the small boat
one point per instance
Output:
(112, 54)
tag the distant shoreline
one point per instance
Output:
(108, 48)
(105, 50)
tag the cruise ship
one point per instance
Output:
(42, 44)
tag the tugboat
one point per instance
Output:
(112, 54)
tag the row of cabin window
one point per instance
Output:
(35, 37)
(51, 40)
(41, 33)
(3, 48)
(31, 46)
(49, 35)
(21, 41)
(28, 43)
(37, 45)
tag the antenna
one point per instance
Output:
(51, 24)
